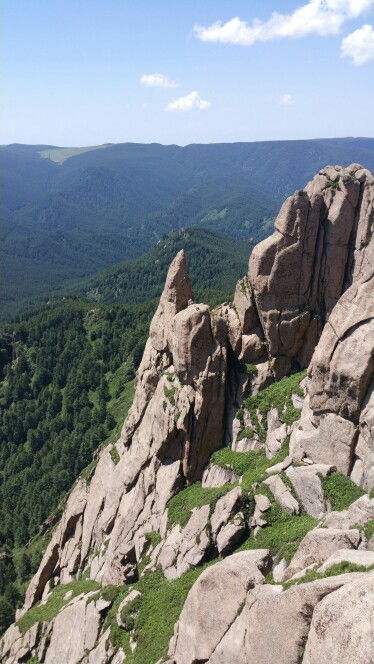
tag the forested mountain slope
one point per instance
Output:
(69, 213)
(214, 260)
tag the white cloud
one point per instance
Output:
(190, 102)
(321, 17)
(359, 45)
(287, 99)
(157, 80)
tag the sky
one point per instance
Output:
(87, 72)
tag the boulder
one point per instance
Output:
(318, 544)
(282, 494)
(341, 630)
(230, 534)
(201, 626)
(360, 558)
(218, 476)
(226, 507)
(308, 487)
(357, 514)
(185, 547)
(68, 641)
(279, 467)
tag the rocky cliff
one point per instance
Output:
(230, 478)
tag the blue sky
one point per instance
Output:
(82, 72)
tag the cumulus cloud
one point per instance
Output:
(157, 80)
(321, 17)
(190, 102)
(359, 45)
(287, 99)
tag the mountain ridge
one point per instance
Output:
(65, 222)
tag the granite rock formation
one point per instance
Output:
(306, 302)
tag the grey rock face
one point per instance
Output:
(319, 544)
(342, 630)
(213, 604)
(218, 476)
(258, 622)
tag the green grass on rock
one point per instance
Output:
(340, 491)
(181, 505)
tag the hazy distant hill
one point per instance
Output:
(215, 264)
(68, 213)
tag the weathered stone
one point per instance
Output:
(308, 487)
(360, 558)
(262, 505)
(68, 641)
(184, 548)
(341, 630)
(328, 439)
(273, 625)
(318, 544)
(226, 507)
(357, 514)
(279, 467)
(201, 626)
(282, 494)
(363, 465)
(230, 534)
(103, 651)
(218, 476)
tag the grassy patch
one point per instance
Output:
(367, 528)
(239, 462)
(46, 612)
(252, 465)
(151, 617)
(245, 433)
(333, 184)
(170, 394)
(340, 568)
(88, 471)
(153, 538)
(251, 369)
(279, 396)
(340, 491)
(283, 534)
(114, 455)
(181, 505)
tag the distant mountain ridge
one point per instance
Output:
(68, 213)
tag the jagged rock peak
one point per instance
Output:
(319, 247)
(176, 296)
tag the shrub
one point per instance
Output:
(340, 491)
(279, 396)
(181, 505)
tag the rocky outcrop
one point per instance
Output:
(263, 623)
(174, 424)
(341, 630)
(201, 626)
(307, 301)
(336, 422)
(297, 275)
